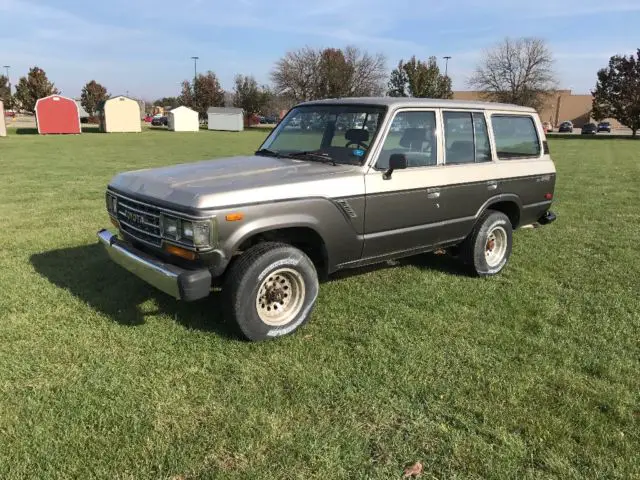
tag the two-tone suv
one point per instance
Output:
(375, 179)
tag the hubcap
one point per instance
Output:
(280, 297)
(496, 246)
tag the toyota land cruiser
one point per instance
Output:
(337, 184)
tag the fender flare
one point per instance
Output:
(503, 197)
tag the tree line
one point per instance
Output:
(518, 71)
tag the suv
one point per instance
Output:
(604, 127)
(565, 127)
(451, 175)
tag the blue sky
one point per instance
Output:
(144, 46)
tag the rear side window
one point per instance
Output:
(466, 138)
(515, 136)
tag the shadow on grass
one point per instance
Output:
(91, 129)
(89, 274)
(26, 131)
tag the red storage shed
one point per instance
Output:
(57, 114)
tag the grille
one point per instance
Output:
(140, 221)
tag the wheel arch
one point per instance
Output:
(301, 232)
(509, 204)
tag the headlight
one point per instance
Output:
(202, 233)
(196, 233)
(170, 227)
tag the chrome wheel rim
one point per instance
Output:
(496, 246)
(280, 297)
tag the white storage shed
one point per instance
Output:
(3, 127)
(223, 118)
(183, 119)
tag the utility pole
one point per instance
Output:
(195, 76)
(446, 65)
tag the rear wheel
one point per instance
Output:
(487, 248)
(270, 290)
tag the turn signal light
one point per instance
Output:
(180, 252)
(548, 196)
(234, 217)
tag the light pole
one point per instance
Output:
(195, 75)
(446, 65)
(7, 67)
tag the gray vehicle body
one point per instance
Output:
(341, 215)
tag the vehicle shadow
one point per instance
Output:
(88, 273)
(427, 261)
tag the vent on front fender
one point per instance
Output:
(347, 208)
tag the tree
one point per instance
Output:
(308, 74)
(92, 95)
(617, 93)
(172, 102)
(5, 92)
(249, 96)
(416, 78)
(516, 71)
(205, 93)
(32, 87)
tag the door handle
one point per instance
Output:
(492, 185)
(433, 192)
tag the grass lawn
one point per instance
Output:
(531, 374)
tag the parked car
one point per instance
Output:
(565, 127)
(266, 227)
(547, 127)
(589, 129)
(10, 113)
(604, 127)
(159, 121)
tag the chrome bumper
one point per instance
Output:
(178, 282)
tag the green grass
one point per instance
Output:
(530, 374)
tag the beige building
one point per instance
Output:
(3, 127)
(120, 114)
(562, 106)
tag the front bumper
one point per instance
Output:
(178, 282)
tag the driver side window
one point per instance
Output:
(414, 135)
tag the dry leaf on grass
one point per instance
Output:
(413, 471)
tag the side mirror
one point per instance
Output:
(397, 161)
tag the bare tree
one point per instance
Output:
(308, 74)
(516, 71)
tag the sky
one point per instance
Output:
(143, 47)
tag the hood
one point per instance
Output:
(240, 180)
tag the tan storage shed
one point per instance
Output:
(229, 119)
(3, 126)
(183, 119)
(120, 114)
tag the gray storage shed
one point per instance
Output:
(223, 118)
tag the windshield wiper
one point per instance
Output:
(311, 155)
(267, 153)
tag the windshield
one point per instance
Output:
(342, 133)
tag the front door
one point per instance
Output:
(399, 210)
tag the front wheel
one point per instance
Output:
(270, 290)
(487, 248)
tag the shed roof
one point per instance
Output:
(227, 110)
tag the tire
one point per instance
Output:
(492, 226)
(270, 291)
